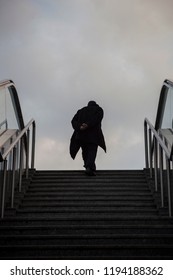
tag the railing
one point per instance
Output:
(14, 157)
(12, 93)
(6, 83)
(4, 123)
(158, 157)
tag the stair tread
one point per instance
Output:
(92, 236)
(54, 247)
(86, 204)
(84, 209)
(139, 226)
(92, 218)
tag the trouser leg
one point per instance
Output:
(89, 153)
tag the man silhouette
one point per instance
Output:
(88, 135)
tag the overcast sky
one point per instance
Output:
(63, 53)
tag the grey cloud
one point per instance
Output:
(61, 55)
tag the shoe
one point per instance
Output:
(90, 172)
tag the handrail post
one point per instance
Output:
(13, 177)
(27, 153)
(146, 145)
(33, 145)
(169, 188)
(161, 175)
(155, 164)
(150, 153)
(4, 188)
(21, 164)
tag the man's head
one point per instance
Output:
(92, 103)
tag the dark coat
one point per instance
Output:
(92, 115)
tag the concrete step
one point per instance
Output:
(126, 172)
(101, 219)
(81, 203)
(87, 186)
(99, 198)
(92, 179)
(89, 209)
(90, 192)
(86, 239)
(86, 252)
(84, 214)
(90, 229)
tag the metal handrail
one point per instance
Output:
(167, 84)
(18, 143)
(4, 122)
(32, 121)
(5, 83)
(159, 139)
(15, 101)
(156, 147)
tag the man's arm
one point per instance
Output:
(75, 121)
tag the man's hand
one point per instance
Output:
(84, 126)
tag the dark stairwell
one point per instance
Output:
(66, 215)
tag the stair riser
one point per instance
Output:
(88, 197)
(88, 209)
(73, 173)
(84, 220)
(88, 241)
(87, 204)
(85, 184)
(81, 231)
(114, 198)
(90, 192)
(87, 180)
(86, 254)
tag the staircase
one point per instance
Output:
(68, 215)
